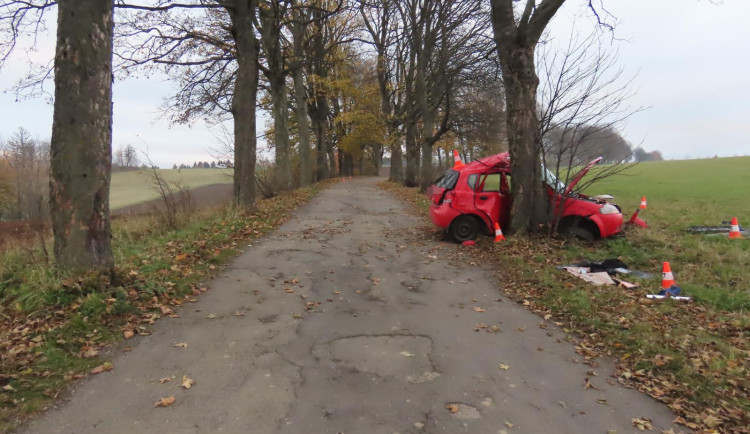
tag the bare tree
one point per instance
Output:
(211, 48)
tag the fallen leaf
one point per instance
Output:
(238, 313)
(642, 424)
(453, 408)
(105, 367)
(503, 367)
(289, 290)
(165, 402)
(711, 421)
(508, 424)
(588, 385)
(90, 353)
(406, 354)
(8, 388)
(211, 316)
(479, 309)
(165, 380)
(187, 383)
(181, 345)
(295, 281)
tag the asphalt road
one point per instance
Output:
(348, 319)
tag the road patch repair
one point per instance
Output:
(352, 321)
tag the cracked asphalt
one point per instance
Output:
(347, 319)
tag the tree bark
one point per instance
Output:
(81, 148)
(244, 102)
(270, 18)
(303, 126)
(412, 147)
(530, 207)
(397, 171)
(320, 108)
(516, 38)
(281, 133)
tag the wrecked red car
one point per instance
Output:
(468, 200)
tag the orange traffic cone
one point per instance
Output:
(735, 231)
(498, 233)
(643, 203)
(457, 163)
(667, 279)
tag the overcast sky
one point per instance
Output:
(690, 56)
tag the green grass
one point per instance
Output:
(133, 187)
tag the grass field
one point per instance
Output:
(684, 193)
(694, 356)
(132, 187)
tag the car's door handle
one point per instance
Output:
(483, 197)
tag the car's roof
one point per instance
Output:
(497, 161)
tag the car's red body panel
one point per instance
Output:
(482, 189)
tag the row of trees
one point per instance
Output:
(345, 81)
(204, 165)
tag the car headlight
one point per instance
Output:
(608, 208)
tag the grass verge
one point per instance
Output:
(694, 356)
(53, 326)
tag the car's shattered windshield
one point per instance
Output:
(551, 180)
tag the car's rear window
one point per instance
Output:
(448, 181)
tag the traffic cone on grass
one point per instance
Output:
(457, 163)
(734, 233)
(643, 203)
(667, 278)
(498, 233)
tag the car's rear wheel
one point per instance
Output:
(463, 228)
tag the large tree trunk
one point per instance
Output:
(81, 148)
(412, 155)
(281, 133)
(397, 171)
(530, 204)
(516, 36)
(319, 110)
(300, 96)
(271, 15)
(243, 103)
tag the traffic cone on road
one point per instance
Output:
(498, 233)
(643, 203)
(734, 233)
(667, 278)
(457, 163)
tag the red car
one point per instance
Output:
(468, 200)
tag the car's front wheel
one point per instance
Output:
(463, 228)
